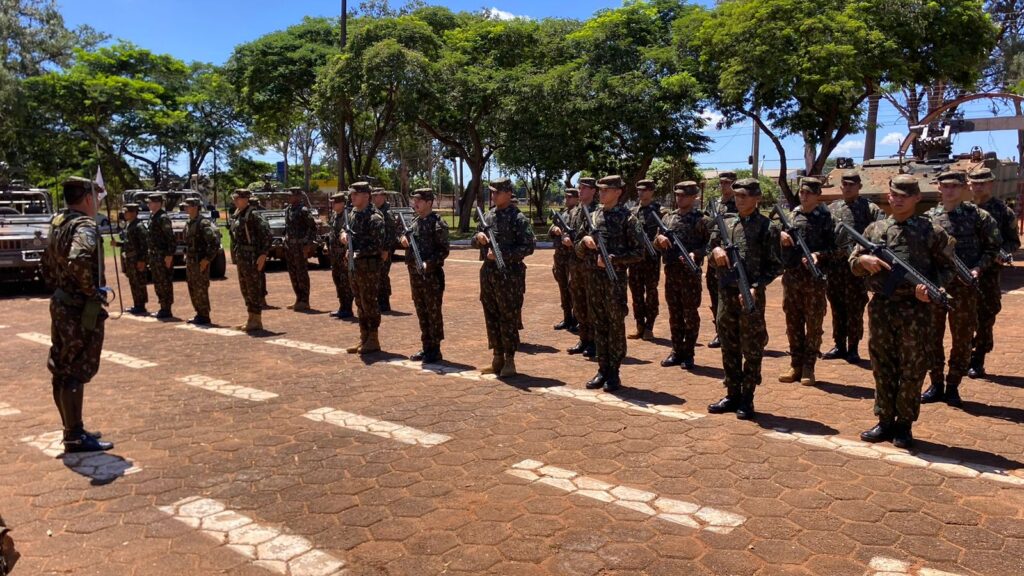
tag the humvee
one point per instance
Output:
(25, 215)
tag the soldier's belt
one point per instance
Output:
(67, 299)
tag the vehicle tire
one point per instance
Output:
(218, 268)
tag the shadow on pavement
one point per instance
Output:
(1006, 413)
(789, 424)
(102, 467)
(855, 392)
(533, 349)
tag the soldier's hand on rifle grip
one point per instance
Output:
(975, 272)
(600, 261)
(404, 242)
(168, 262)
(661, 241)
(921, 293)
(555, 230)
(814, 256)
(343, 238)
(491, 256)
(692, 257)
(567, 242)
(481, 239)
(589, 243)
(787, 240)
(873, 264)
(261, 261)
(721, 257)
(753, 296)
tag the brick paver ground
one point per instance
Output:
(393, 470)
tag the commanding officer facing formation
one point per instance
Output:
(339, 262)
(299, 235)
(645, 274)
(848, 294)
(726, 204)
(161, 254)
(901, 320)
(202, 244)
(500, 283)
(427, 282)
(803, 295)
(682, 284)
(614, 229)
(134, 253)
(71, 267)
(367, 233)
(560, 268)
(578, 274)
(250, 243)
(743, 334)
(977, 246)
(990, 298)
(391, 227)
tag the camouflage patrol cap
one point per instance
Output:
(295, 190)
(587, 181)
(904, 184)
(688, 187)
(378, 191)
(360, 187)
(502, 185)
(339, 197)
(75, 189)
(727, 175)
(155, 198)
(572, 193)
(958, 176)
(982, 174)
(192, 203)
(424, 194)
(613, 181)
(645, 185)
(813, 185)
(131, 207)
(751, 185)
(851, 176)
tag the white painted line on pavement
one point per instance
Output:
(377, 427)
(891, 567)
(8, 410)
(115, 357)
(148, 319)
(945, 466)
(265, 546)
(102, 466)
(3, 326)
(210, 330)
(226, 388)
(620, 402)
(676, 511)
(307, 346)
(442, 370)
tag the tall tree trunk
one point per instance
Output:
(473, 192)
(810, 152)
(871, 134)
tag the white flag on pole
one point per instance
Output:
(100, 187)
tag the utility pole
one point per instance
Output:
(755, 147)
(871, 131)
(342, 137)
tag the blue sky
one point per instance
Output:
(209, 30)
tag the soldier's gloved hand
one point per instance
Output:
(787, 240)
(261, 261)
(481, 239)
(140, 266)
(589, 243)
(168, 262)
(203, 265)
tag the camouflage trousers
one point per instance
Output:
(803, 301)
(711, 281)
(963, 321)
(385, 279)
(743, 337)
(249, 281)
(643, 288)
(682, 296)
(263, 285)
(298, 271)
(366, 293)
(74, 351)
(990, 303)
(427, 297)
(898, 347)
(137, 283)
(163, 282)
(560, 270)
(579, 280)
(607, 308)
(502, 305)
(848, 296)
(342, 285)
(198, 287)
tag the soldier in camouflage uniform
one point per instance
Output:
(899, 323)
(682, 285)
(562, 261)
(299, 235)
(258, 206)
(990, 299)
(500, 289)
(579, 277)
(71, 267)
(744, 336)
(645, 274)
(427, 284)
(803, 296)
(250, 244)
(728, 206)
(977, 243)
(339, 262)
(201, 248)
(134, 253)
(161, 254)
(606, 299)
(369, 237)
(391, 228)
(848, 294)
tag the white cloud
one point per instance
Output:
(498, 14)
(892, 139)
(848, 147)
(712, 118)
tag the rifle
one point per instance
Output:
(678, 244)
(601, 247)
(898, 269)
(350, 248)
(737, 268)
(413, 245)
(1005, 257)
(492, 239)
(642, 233)
(964, 273)
(801, 242)
(559, 221)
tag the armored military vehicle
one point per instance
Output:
(25, 215)
(272, 206)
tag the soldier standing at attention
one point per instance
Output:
(299, 235)
(71, 267)
(803, 296)
(499, 289)
(645, 274)
(990, 299)
(201, 247)
(899, 323)
(682, 284)
(562, 262)
(579, 276)
(380, 202)
(848, 294)
(339, 261)
(427, 284)
(161, 254)
(368, 241)
(606, 298)
(977, 244)
(135, 252)
(727, 204)
(250, 244)
(744, 336)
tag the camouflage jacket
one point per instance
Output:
(369, 232)
(1005, 221)
(299, 226)
(514, 233)
(201, 241)
(161, 235)
(250, 233)
(134, 244)
(975, 231)
(336, 222)
(759, 247)
(645, 220)
(578, 223)
(392, 228)
(618, 227)
(918, 241)
(71, 260)
(819, 232)
(693, 229)
(728, 206)
(857, 214)
(431, 235)
(561, 249)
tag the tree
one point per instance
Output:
(212, 120)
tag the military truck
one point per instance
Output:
(25, 215)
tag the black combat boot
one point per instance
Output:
(745, 410)
(837, 351)
(881, 432)
(385, 305)
(936, 392)
(715, 342)
(579, 348)
(673, 359)
(590, 351)
(566, 323)
(612, 382)
(76, 439)
(597, 381)
(953, 393)
(164, 314)
(573, 328)
(852, 354)
(138, 311)
(727, 404)
(417, 357)
(902, 437)
(432, 355)
(200, 320)
(688, 362)
(977, 369)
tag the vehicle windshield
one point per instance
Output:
(24, 202)
(172, 199)
(272, 200)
